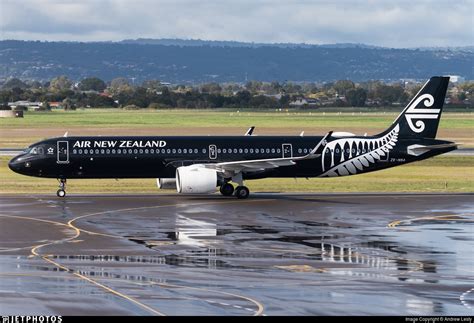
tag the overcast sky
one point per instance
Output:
(394, 23)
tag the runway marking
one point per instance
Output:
(259, 305)
(46, 258)
(70, 223)
(449, 217)
(78, 231)
(32, 219)
(112, 279)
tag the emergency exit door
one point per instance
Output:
(287, 150)
(63, 152)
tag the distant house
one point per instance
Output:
(300, 102)
(275, 96)
(28, 104)
(456, 79)
(56, 105)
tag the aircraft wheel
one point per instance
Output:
(61, 193)
(242, 192)
(227, 189)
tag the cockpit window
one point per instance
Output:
(27, 150)
(36, 151)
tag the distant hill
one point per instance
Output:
(195, 61)
(227, 43)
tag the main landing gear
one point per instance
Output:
(241, 191)
(62, 188)
(227, 189)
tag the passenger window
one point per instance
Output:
(240, 150)
(268, 150)
(146, 151)
(235, 150)
(278, 150)
(179, 151)
(102, 151)
(224, 150)
(251, 150)
(130, 151)
(204, 151)
(195, 150)
(246, 150)
(113, 151)
(273, 150)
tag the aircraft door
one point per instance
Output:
(287, 150)
(63, 152)
(212, 152)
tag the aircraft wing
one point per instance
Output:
(235, 167)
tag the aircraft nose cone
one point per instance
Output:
(14, 164)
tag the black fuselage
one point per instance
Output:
(158, 157)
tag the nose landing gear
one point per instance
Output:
(62, 188)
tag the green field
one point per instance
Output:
(439, 174)
(222, 118)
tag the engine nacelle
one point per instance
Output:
(195, 179)
(166, 183)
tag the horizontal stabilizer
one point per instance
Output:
(417, 150)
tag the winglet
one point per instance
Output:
(65, 134)
(250, 131)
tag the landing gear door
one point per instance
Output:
(63, 152)
(287, 150)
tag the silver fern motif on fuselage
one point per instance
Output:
(348, 156)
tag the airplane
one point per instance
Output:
(203, 164)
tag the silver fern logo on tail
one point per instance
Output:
(356, 154)
(412, 113)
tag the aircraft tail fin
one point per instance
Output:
(420, 118)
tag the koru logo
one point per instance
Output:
(420, 114)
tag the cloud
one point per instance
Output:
(393, 23)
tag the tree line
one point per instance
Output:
(93, 92)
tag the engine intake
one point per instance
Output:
(195, 179)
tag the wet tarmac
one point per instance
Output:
(273, 254)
